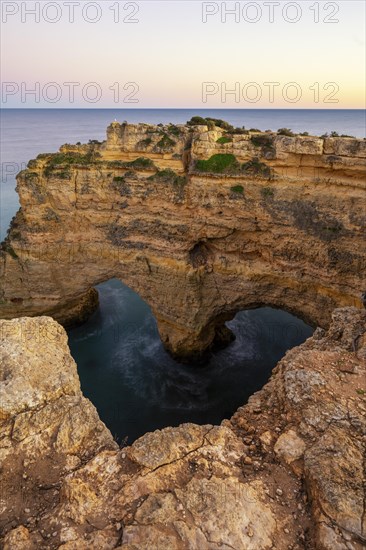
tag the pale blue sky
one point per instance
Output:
(170, 53)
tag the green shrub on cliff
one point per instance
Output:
(166, 143)
(219, 164)
(199, 121)
(262, 140)
(60, 163)
(336, 134)
(237, 189)
(113, 164)
(141, 163)
(224, 139)
(239, 131)
(228, 164)
(16, 235)
(28, 176)
(144, 142)
(174, 130)
(168, 176)
(285, 132)
(63, 174)
(256, 168)
(222, 124)
(265, 142)
(69, 159)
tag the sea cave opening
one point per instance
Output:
(137, 387)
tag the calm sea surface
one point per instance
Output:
(135, 385)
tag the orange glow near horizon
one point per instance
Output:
(168, 52)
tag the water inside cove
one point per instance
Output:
(137, 387)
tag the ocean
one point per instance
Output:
(135, 385)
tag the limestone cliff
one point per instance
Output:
(286, 472)
(201, 221)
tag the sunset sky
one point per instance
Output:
(170, 52)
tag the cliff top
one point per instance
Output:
(212, 146)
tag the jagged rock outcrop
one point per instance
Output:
(286, 472)
(201, 221)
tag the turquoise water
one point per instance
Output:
(135, 385)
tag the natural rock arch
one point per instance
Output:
(196, 246)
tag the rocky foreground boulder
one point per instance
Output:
(285, 472)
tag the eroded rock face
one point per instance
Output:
(47, 427)
(198, 225)
(285, 472)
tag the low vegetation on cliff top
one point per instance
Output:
(285, 132)
(212, 122)
(200, 121)
(166, 143)
(228, 164)
(58, 160)
(68, 159)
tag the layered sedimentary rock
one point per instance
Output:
(201, 221)
(286, 472)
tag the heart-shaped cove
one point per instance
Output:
(138, 387)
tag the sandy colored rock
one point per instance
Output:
(242, 518)
(284, 228)
(192, 486)
(289, 446)
(47, 426)
(148, 452)
(266, 439)
(334, 467)
(19, 539)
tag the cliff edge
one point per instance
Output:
(201, 220)
(286, 472)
